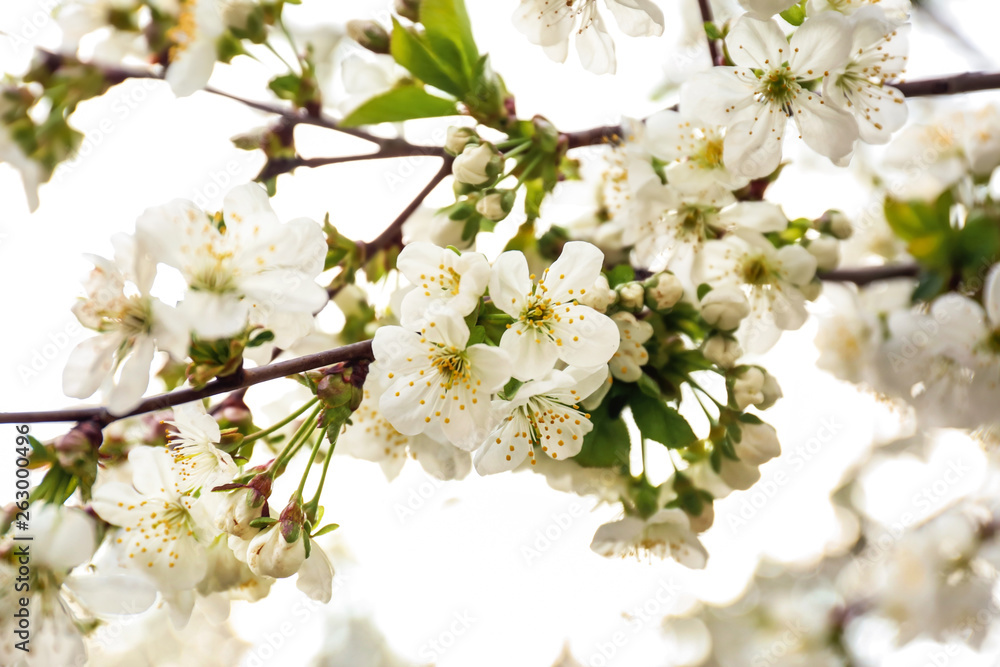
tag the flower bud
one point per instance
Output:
(811, 290)
(631, 296)
(826, 251)
(703, 521)
(458, 138)
(663, 291)
(291, 520)
(260, 488)
(722, 351)
(600, 296)
(235, 513)
(477, 164)
(77, 450)
(271, 555)
(496, 205)
(408, 9)
(771, 391)
(370, 35)
(748, 388)
(724, 308)
(836, 223)
(230, 440)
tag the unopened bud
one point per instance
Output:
(722, 351)
(496, 205)
(836, 224)
(724, 308)
(477, 164)
(826, 250)
(748, 388)
(458, 138)
(631, 296)
(408, 9)
(811, 290)
(600, 296)
(370, 35)
(663, 291)
(291, 520)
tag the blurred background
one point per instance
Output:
(486, 571)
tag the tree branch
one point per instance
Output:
(393, 234)
(705, 7)
(239, 380)
(868, 275)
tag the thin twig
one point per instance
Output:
(393, 234)
(868, 275)
(247, 378)
(705, 7)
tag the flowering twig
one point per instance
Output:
(868, 275)
(705, 7)
(246, 378)
(393, 234)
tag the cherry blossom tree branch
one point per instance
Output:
(239, 380)
(705, 7)
(868, 275)
(393, 234)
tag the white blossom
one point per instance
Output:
(442, 279)
(627, 362)
(542, 413)
(878, 54)
(256, 271)
(438, 381)
(755, 107)
(550, 24)
(198, 461)
(667, 533)
(161, 531)
(132, 326)
(769, 277)
(549, 322)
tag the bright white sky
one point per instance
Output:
(462, 552)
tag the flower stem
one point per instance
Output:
(314, 502)
(301, 435)
(309, 464)
(277, 425)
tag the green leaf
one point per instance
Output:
(399, 104)
(660, 422)
(607, 445)
(648, 386)
(712, 31)
(622, 273)
(450, 31)
(286, 87)
(264, 336)
(929, 285)
(328, 528)
(703, 289)
(263, 522)
(794, 15)
(413, 52)
(477, 335)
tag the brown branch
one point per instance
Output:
(868, 275)
(705, 7)
(239, 380)
(393, 234)
(954, 84)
